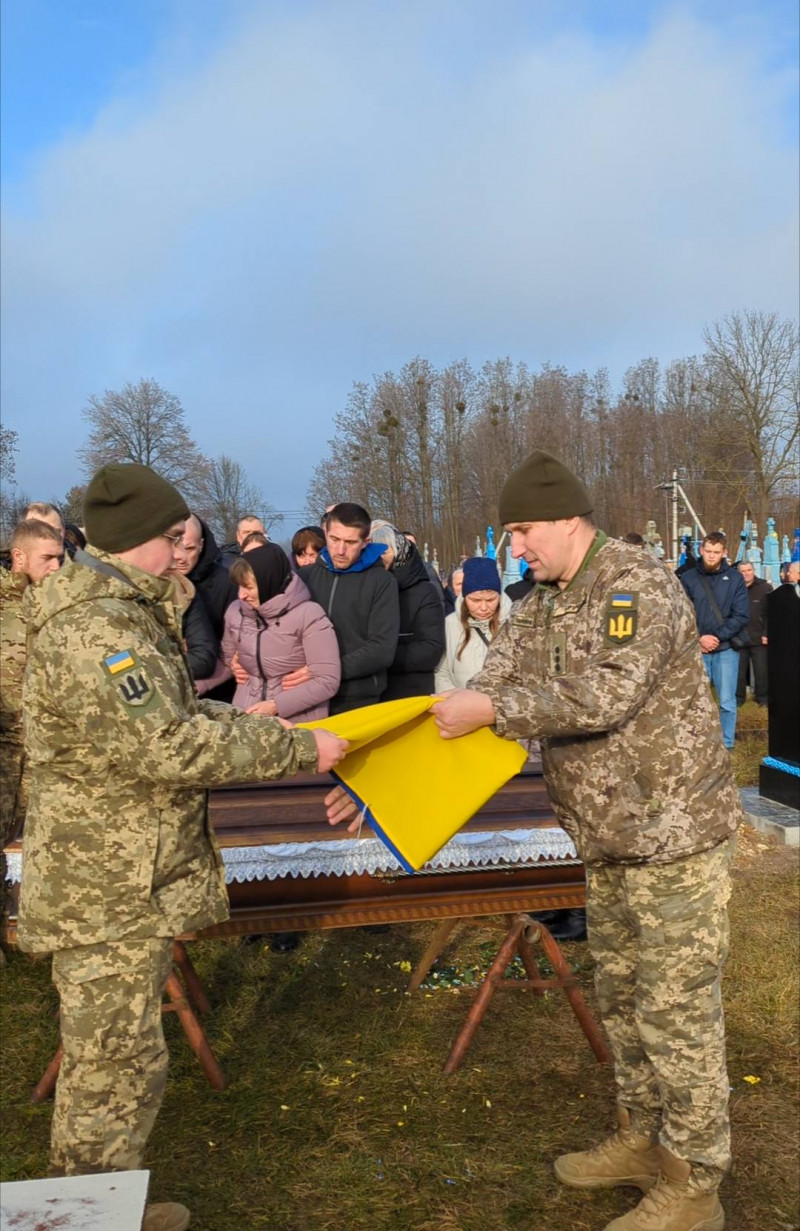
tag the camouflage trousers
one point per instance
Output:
(114, 1069)
(659, 934)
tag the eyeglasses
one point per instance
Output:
(175, 539)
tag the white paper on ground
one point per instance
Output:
(111, 1201)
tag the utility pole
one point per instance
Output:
(678, 493)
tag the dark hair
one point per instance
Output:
(254, 539)
(74, 538)
(633, 538)
(354, 516)
(307, 536)
(717, 537)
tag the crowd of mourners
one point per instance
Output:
(350, 616)
(353, 615)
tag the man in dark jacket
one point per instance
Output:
(756, 652)
(719, 598)
(198, 558)
(360, 599)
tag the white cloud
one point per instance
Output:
(343, 186)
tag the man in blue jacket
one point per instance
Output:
(719, 597)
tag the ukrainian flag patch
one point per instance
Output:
(123, 661)
(621, 618)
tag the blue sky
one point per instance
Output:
(257, 203)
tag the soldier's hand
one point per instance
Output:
(301, 676)
(239, 673)
(330, 749)
(340, 807)
(460, 711)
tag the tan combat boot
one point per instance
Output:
(674, 1203)
(624, 1158)
(166, 1216)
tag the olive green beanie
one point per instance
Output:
(127, 504)
(542, 489)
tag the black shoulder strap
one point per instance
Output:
(711, 599)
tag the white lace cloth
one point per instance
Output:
(351, 856)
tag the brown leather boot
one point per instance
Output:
(166, 1216)
(674, 1203)
(626, 1157)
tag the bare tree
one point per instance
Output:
(227, 495)
(144, 423)
(431, 449)
(72, 504)
(8, 447)
(752, 358)
(9, 501)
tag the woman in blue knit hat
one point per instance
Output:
(471, 628)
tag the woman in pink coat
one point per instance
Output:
(275, 629)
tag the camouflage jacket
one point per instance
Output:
(607, 674)
(12, 670)
(12, 654)
(117, 839)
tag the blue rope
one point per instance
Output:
(774, 763)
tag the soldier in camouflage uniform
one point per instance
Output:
(36, 551)
(118, 854)
(601, 663)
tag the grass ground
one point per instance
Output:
(751, 743)
(337, 1115)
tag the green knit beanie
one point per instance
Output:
(127, 504)
(542, 489)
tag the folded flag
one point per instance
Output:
(416, 789)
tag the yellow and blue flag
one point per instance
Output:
(417, 789)
(119, 662)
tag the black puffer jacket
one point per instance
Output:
(518, 589)
(421, 641)
(202, 647)
(212, 582)
(361, 604)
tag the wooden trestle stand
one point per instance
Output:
(258, 817)
(187, 999)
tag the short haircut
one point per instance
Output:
(307, 536)
(633, 538)
(38, 510)
(353, 516)
(716, 538)
(248, 517)
(33, 531)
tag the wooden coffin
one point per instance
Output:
(293, 812)
(264, 817)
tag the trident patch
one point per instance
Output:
(130, 680)
(621, 619)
